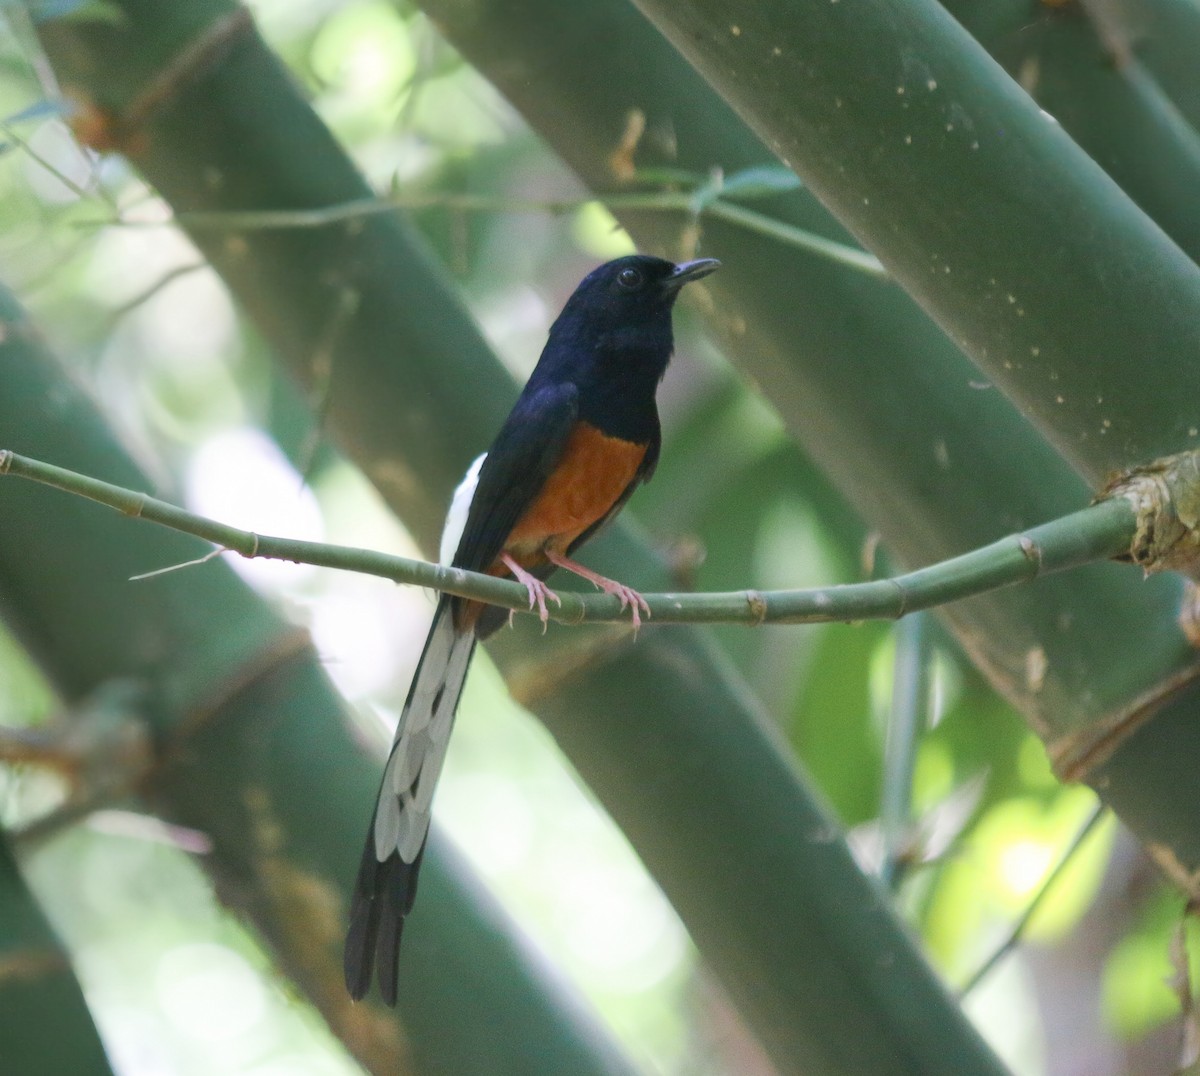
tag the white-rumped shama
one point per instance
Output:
(582, 435)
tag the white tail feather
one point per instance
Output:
(422, 738)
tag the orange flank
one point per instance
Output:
(594, 471)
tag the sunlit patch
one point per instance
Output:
(1136, 993)
(620, 926)
(1004, 1008)
(1024, 864)
(190, 322)
(358, 635)
(209, 992)
(499, 816)
(61, 168)
(133, 1040)
(1033, 764)
(126, 261)
(596, 230)
(242, 478)
(515, 321)
(365, 50)
(934, 776)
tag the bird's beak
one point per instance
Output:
(685, 272)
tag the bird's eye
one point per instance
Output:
(629, 279)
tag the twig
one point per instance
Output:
(1018, 929)
(1102, 531)
(345, 307)
(668, 201)
(149, 292)
(910, 702)
(43, 162)
(195, 562)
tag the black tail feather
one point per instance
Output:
(387, 954)
(383, 895)
(359, 956)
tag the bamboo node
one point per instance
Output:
(1165, 496)
(758, 606)
(1031, 551)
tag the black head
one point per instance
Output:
(636, 289)
(621, 312)
(613, 340)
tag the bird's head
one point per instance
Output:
(636, 289)
(615, 329)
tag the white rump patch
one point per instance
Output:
(460, 505)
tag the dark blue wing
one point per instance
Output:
(521, 459)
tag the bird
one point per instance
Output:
(582, 436)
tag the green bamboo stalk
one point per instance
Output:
(1121, 79)
(835, 369)
(711, 803)
(1161, 35)
(1100, 532)
(45, 1025)
(1082, 68)
(251, 736)
(134, 74)
(888, 118)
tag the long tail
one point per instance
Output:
(387, 879)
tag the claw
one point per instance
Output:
(627, 596)
(538, 591)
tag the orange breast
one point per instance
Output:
(593, 473)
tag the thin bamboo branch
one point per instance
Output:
(1099, 532)
(1018, 928)
(910, 704)
(692, 202)
(149, 292)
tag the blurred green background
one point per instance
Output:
(174, 983)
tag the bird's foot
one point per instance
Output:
(627, 595)
(538, 591)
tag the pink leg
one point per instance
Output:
(538, 591)
(628, 595)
